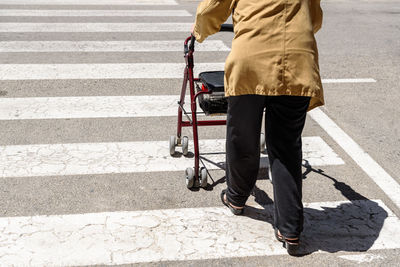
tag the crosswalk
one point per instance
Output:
(94, 27)
(99, 71)
(123, 157)
(93, 13)
(186, 234)
(106, 46)
(123, 237)
(114, 71)
(90, 2)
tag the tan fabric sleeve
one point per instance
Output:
(209, 17)
(316, 14)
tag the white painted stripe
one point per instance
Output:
(93, 13)
(100, 71)
(88, 2)
(318, 153)
(107, 46)
(88, 107)
(366, 80)
(128, 157)
(365, 161)
(189, 234)
(94, 27)
(362, 258)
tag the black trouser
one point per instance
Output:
(284, 123)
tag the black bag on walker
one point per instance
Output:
(216, 102)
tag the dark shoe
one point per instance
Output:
(235, 211)
(291, 245)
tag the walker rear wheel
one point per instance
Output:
(203, 177)
(189, 173)
(270, 174)
(262, 142)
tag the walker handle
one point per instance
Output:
(224, 28)
(192, 41)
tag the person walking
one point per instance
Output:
(273, 65)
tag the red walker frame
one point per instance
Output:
(195, 177)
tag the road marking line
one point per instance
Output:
(107, 46)
(362, 258)
(92, 13)
(102, 71)
(88, 107)
(128, 157)
(365, 161)
(189, 234)
(88, 2)
(366, 80)
(94, 27)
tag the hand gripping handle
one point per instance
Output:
(224, 28)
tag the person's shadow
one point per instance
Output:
(352, 225)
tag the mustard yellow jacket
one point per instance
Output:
(274, 51)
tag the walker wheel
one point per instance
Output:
(262, 142)
(270, 174)
(189, 173)
(203, 177)
(185, 145)
(172, 145)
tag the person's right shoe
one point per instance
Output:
(291, 245)
(235, 211)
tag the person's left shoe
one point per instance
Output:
(234, 210)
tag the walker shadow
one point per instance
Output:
(352, 226)
(221, 165)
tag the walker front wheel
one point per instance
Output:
(185, 145)
(172, 145)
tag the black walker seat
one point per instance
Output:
(215, 103)
(214, 80)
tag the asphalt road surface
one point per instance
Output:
(88, 93)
